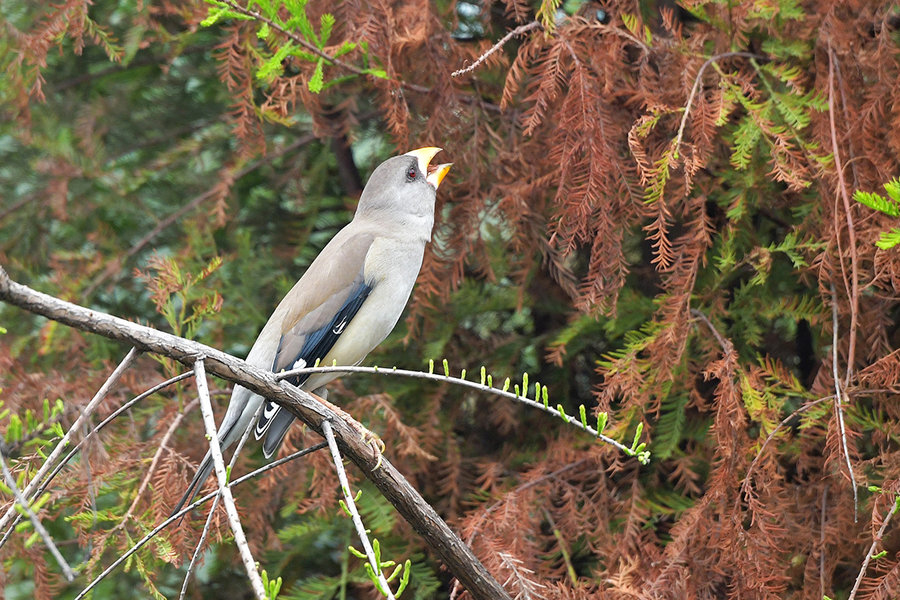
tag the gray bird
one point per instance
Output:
(347, 302)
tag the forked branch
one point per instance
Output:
(458, 557)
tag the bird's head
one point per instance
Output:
(404, 187)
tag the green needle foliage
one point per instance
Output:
(889, 205)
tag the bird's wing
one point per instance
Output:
(317, 312)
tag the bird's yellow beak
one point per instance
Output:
(435, 175)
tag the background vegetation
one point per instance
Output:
(651, 212)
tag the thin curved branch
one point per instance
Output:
(871, 552)
(234, 520)
(839, 396)
(199, 547)
(68, 573)
(748, 477)
(725, 344)
(520, 396)
(851, 229)
(351, 508)
(212, 510)
(59, 467)
(163, 445)
(687, 109)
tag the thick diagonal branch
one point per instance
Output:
(458, 557)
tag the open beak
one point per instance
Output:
(434, 174)
(437, 174)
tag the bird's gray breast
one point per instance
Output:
(391, 269)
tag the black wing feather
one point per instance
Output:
(316, 345)
(320, 341)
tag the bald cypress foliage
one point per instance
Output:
(680, 215)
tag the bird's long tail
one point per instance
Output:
(278, 428)
(197, 482)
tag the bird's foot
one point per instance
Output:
(374, 442)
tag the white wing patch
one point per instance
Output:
(265, 419)
(339, 328)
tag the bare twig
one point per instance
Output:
(174, 517)
(748, 476)
(240, 540)
(838, 398)
(29, 492)
(725, 344)
(851, 230)
(895, 506)
(92, 495)
(771, 436)
(517, 31)
(274, 464)
(351, 507)
(113, 416)
(687, 109)
(457, 557)
(199, 547)
(849, 122)
(35, 521)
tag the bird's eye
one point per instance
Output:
(412, 173)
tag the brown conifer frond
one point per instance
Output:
(549, 80)
(517, 70)
(237, 75)
(518, 10)
(411, 441)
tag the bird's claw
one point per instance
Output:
(376, 444)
